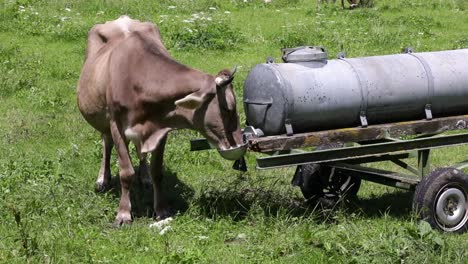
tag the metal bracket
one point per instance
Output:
(288, 126)
(362, 116)
(251, 132)
(341, 55)
(270, 60)
(428, 111)
(408, 50)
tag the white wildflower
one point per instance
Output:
(171, 7)
(227, 12)
(187, 21)
(161, 223)
(165, 230)
(67, 9)
(241, 236)
(420, 33)
(22, 10)
(21, 7)
(212, 8)
(100, 13)
(201, 237)
(64, 18)
(208, 18)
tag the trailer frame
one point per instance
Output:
(344, 151)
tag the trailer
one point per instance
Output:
(331, 163)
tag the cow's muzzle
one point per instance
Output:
(233, 153)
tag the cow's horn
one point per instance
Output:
(223, 80)
(234, 70)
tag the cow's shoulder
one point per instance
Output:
(149, 33)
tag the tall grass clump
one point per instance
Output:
(37, 20)
(20, 71)
(199, 31)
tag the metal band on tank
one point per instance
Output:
(430, 83)
(364, 94)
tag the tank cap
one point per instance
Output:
(304, 54)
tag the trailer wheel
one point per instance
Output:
(321, 182)
(441, 199)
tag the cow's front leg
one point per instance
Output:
(161, 208)
(126, 173)
(104, 178)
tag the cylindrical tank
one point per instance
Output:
(312, 93)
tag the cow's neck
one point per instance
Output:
(194, 82)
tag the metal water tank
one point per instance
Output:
(309, 92)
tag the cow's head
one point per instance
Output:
(215, 115)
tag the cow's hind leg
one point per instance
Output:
(104, 178)
(161, 208)
(126, 173)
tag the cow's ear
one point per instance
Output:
(191, 101)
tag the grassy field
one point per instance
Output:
(49, 212)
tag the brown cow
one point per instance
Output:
(130, 89)
(352, 3)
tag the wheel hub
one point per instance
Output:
(451, 208)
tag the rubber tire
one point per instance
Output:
(352, 189)
(311, 186)
(314, 181)
(427, 191)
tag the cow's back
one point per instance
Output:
(103, 39)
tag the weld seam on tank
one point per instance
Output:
(364, 93)
(289, 110)
(430, 81)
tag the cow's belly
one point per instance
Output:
(92, 94)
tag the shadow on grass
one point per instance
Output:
(239, 203)
(141, 193)
(396, 204)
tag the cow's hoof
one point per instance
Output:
(161, 214)
(102, 187)
(122, 218)
(121, 221)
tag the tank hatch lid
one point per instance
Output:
(304, 54)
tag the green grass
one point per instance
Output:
(49, 211)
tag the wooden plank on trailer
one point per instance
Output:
(359, 134)
(364, 151)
